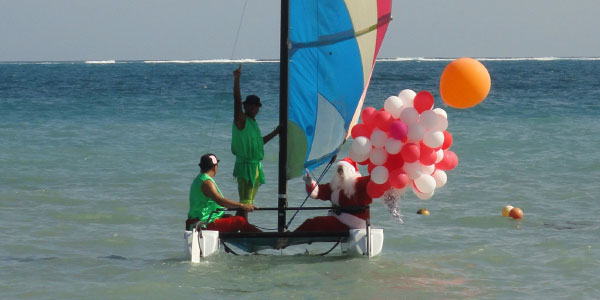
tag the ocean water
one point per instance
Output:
(96, 160)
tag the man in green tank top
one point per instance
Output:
(247, 144)
(207, 202)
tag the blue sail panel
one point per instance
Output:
(327, 76)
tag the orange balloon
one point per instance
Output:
(465, 82)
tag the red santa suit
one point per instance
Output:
(349, 213)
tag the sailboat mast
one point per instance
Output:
(283, 115)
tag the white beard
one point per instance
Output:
(345, 181)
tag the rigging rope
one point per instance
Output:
(238, 30)
(318, 181)
(212, 132)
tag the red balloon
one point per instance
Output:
(360, 130)
(449, 162)
(366, 161)
(423, 101)
(394, 162)
(447, 140)
(383, 120)
(428, 156)
(375, 190)
(367, 114)
(410, 152)
(398, 179)
(370, 166)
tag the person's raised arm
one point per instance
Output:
(239, 119)
(209, 189)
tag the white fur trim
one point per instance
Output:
(351, 221)
(335, 197)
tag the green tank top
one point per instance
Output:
(248, 148)
(201, 206)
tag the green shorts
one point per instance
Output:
(247, 191)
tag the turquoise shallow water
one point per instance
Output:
(96, 162)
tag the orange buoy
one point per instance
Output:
(516, 213)
(465, 82)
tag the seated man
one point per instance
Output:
(347, 191)
(207, 202)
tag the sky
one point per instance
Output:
(58, 30)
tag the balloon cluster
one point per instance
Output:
(405, 145)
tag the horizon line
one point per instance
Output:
(273, 60)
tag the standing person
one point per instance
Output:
(247, 144)
(207, 202)
(347, 191)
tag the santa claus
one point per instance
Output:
(347, 191)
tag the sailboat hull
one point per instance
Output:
(355, 242)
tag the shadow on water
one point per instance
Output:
(26, 259)
(568, 225)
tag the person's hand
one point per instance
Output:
(306, 177)
(238, 72)
(248, 207)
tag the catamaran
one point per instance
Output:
(328, 50)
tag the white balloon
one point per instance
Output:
(439, 155)
(440, 111)
(358, 157)
(442, 123)
(428, 119)
(409, 116)
(415, 132)
(433, 139)
(413, 170)
(393, 146)
(361, 146)
(440, 178)
(407, 96)
(423, 196)
(380, 174)
(378, 156)
(378, 138)
(427, 169)
(425, 183)
(393, 105)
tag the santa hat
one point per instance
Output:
(349, 162)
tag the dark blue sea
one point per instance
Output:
(96, 159)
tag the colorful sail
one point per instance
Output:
(333, 45)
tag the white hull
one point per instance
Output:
(359, 243)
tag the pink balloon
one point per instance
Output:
(398, 130)
(428, 156)
(398, 179)
(367, 114)
(449, 162)
(447, 140)
(410, 152)
(377, 190)
(383, 120)
(423, 101)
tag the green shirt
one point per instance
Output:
(248, 148)
(201, 206)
